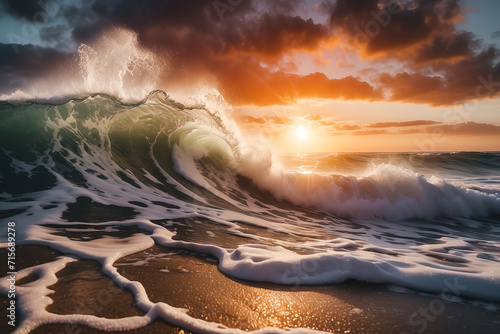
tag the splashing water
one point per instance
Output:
(116, 65)
(113, 64)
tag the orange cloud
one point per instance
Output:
(264, 120)
(313, 117)
(368, 132)
(468, 128)
(251, 84)
(340, 127)
(460, 129)
(476, 77)
(400, 124)
(251, 119)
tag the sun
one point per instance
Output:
(301, 133)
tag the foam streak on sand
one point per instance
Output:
(34, 298)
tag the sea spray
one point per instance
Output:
(114, 63)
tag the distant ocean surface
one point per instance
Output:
(188, 178)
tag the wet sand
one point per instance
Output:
(193, 281)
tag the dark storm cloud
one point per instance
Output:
(57, 37)
(474, 77)
(244, 47)
(28, 63)
(381, 26)
(444, 66)
(21, 8)
(273, 36)
(42, 22)
(18, 69)
(280, 6)
(52, 34)
(356, 19)
(187, 26)
(447, 47)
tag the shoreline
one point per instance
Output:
(192, 281)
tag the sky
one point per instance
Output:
(323, 76)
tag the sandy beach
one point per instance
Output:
(192, 281)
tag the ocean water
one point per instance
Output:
(183, 176)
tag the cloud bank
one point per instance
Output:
(248, 48)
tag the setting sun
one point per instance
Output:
(301, 133)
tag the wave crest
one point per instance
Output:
(197, 147)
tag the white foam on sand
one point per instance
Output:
(33, 297)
